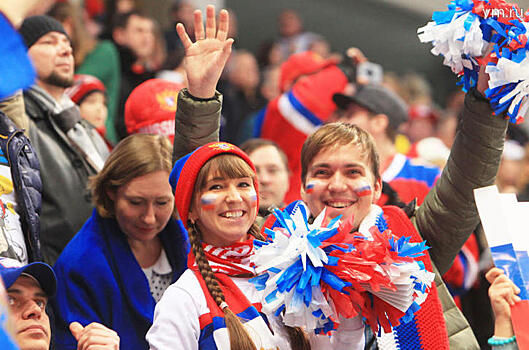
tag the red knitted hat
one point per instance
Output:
(185, 172)
(299, 64)
(83, 85)
(151, 108)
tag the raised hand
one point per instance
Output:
(95, 336)
(206, 57)
(16, 10)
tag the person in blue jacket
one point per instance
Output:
(129, 251)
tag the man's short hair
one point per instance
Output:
(335, 135)
(122, 20)
(252, 145)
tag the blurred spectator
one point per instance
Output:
(509, 176)
(173, 69)
(523, 192)
(113, 9)
(380, 111)
(415, 89)
(69, 149)
(88, 93)
(134, 35)
(179, 12)
(270, 83)
(320, 46)
(294, 38)
(430, 151)
(271, 165)
(268, 54)
(422, 122)
(97, 58)
(446, 127)
(300, 65)
(151, 108)
(242, 97)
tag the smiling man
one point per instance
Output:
(29, 288)
(69, 149)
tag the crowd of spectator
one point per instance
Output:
(86, 154)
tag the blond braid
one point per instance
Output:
(239, 338)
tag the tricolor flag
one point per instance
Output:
(504, 222)
(208, 201)
(363, 190)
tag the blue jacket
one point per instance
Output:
(25, 171)
(99, 280)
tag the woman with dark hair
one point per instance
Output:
(117, 267)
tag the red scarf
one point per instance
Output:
(233, 260)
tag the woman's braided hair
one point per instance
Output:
(239, 337)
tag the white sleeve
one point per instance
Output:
(176, 321)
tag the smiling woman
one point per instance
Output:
(125, 256)
(216, 195)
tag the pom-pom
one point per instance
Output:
(313, 274)
(461, 35)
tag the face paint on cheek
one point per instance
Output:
(363, 189)
(253, 198)
(208, 200)
(310, 188)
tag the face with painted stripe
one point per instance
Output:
(341, 180)
(225, 209)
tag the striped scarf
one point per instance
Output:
(233, 260)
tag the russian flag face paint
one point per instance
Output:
(253, 198)
(208, 200)
(310, 188)
(363, 189)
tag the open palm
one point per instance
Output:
(206, 57)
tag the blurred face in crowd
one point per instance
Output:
(418, 129)
(289, 23)
(124, 6)
(29, 321)
(357, 115)
(245, 72)
(144, 205)
(272, 174)
(340, 180)
(94, 109)
(53, 60)
(138, 35)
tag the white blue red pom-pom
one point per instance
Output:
(462, 33)
(313, 274)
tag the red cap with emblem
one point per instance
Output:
(151, 108)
